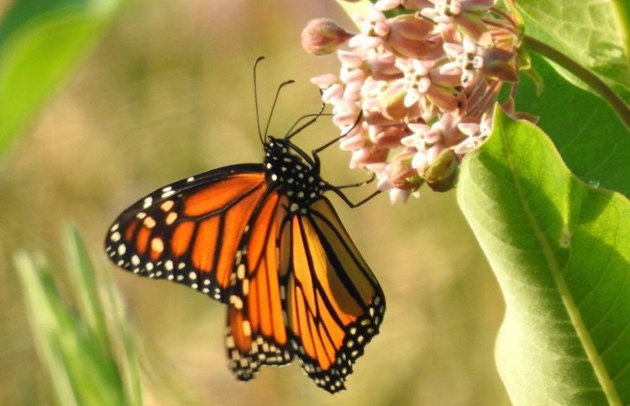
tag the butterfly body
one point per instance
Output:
(265, 240)
(296, 177)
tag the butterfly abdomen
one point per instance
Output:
(293, 176)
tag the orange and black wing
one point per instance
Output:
(304, 290)
(257, 332)
(189, 232)
(335, 305)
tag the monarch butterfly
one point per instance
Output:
(263, 239)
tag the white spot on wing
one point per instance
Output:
(240, 271)
(247, 328)
(167, 205)
(170, 218)
(236, 301)
(157, 244)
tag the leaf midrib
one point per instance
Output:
(571, 308)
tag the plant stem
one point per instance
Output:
(599, 86)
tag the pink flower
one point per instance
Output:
(476, 133)
(463, 14)
(414, 94)
(430, 141)
(468, 59)
(323, 36)
(410, 37)
(374, 28)
(421, 86)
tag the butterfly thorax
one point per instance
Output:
(288, 172)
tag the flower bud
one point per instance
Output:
(401, 174)
(323, 36)
(442, 173)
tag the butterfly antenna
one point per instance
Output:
(260, 58)
(275, 100)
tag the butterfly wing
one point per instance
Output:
(302, 289)
(189, 232)
(335, 305)
(256, 331)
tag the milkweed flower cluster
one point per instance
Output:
(415, 91)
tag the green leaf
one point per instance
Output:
(590, 137)
(560, 250)
(40, 43)
(77, 347)
(595, 33)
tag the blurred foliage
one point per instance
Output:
(560, 249)
(595, 35)
(168, 93)
(40, 43)
(77, 348)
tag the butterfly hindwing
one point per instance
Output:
(256, 331)
(189, 231)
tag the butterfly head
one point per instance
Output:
(292, 172)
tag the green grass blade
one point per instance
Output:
(126, 338)
(83, 282)
(81, 349)
(47, 317)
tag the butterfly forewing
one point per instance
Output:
(189, 231)
(335, 304)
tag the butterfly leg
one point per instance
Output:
(358, 184)
(349, 202)
(316, 151)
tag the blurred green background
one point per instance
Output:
(166, 93)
